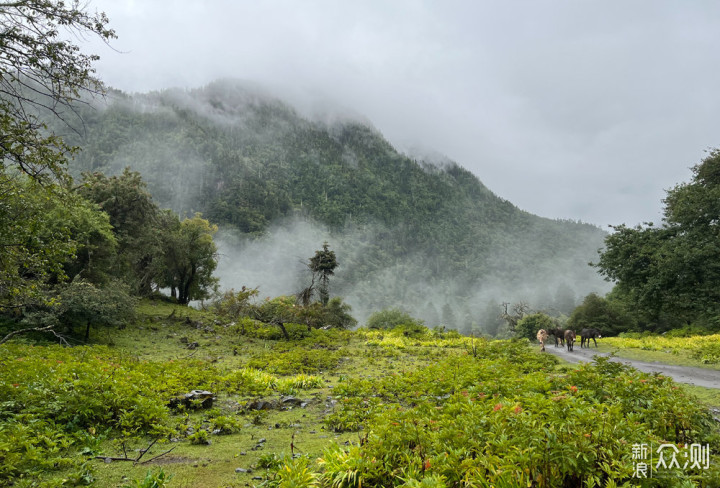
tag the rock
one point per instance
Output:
(193, 345)
(243, 470)
(196, 399)
(260, 405)
(291, 401)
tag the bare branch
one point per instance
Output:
(25, 331)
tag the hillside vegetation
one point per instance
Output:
(401, 226)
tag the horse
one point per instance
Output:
(559, 334)
(570, 339)
(542, 336)
(587, 334)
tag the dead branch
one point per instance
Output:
(137, 459)
(48, 329)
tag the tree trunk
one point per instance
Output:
(87, 331)
(284, 331)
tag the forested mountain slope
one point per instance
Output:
(408, 233)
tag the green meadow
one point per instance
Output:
(410, 406)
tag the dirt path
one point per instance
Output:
(683, 374)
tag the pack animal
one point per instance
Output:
(559, 335)
(570, 339)
(586, 335)
(542, 336)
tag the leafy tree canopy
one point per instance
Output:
(136, 221)
(46, 232)
(190, 258)
(46, 236)
(671, 273)
(606, 315)
(43, 71)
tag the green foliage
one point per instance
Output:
(81, 304)
(295, 361)
(529, 325)
(225, 424)
(44, 73)
(295, 473)
(45, 232)
(285, 313)
(670, 273)
(269, 461)
(234, 305)
(158, 480)
(155, 247)
(57, 401)
(391, 318)
(336, 315)
(430, 414)
(596, 312)
(135, 220)
(708, 353)
(323, 265)
(501, 418)
(190, 259)
(200, 437)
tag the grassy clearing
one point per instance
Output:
(708, 396)
(695, 351)
(378, 408)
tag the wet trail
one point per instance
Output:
(707, 378)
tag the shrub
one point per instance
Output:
(529, 325)
(159, 480)
(392, 317)
(200, 437)
(486, 419)
(295, 361)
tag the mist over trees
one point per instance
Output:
(410, 232)
(428, 237)
(73, 256)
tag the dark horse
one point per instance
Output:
(559, 336)
(570, 339)
(587, 334)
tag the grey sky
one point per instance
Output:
(568, 108)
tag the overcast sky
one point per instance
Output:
(574, 109)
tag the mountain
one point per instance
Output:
(424, 236)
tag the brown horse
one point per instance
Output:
(570, 339)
